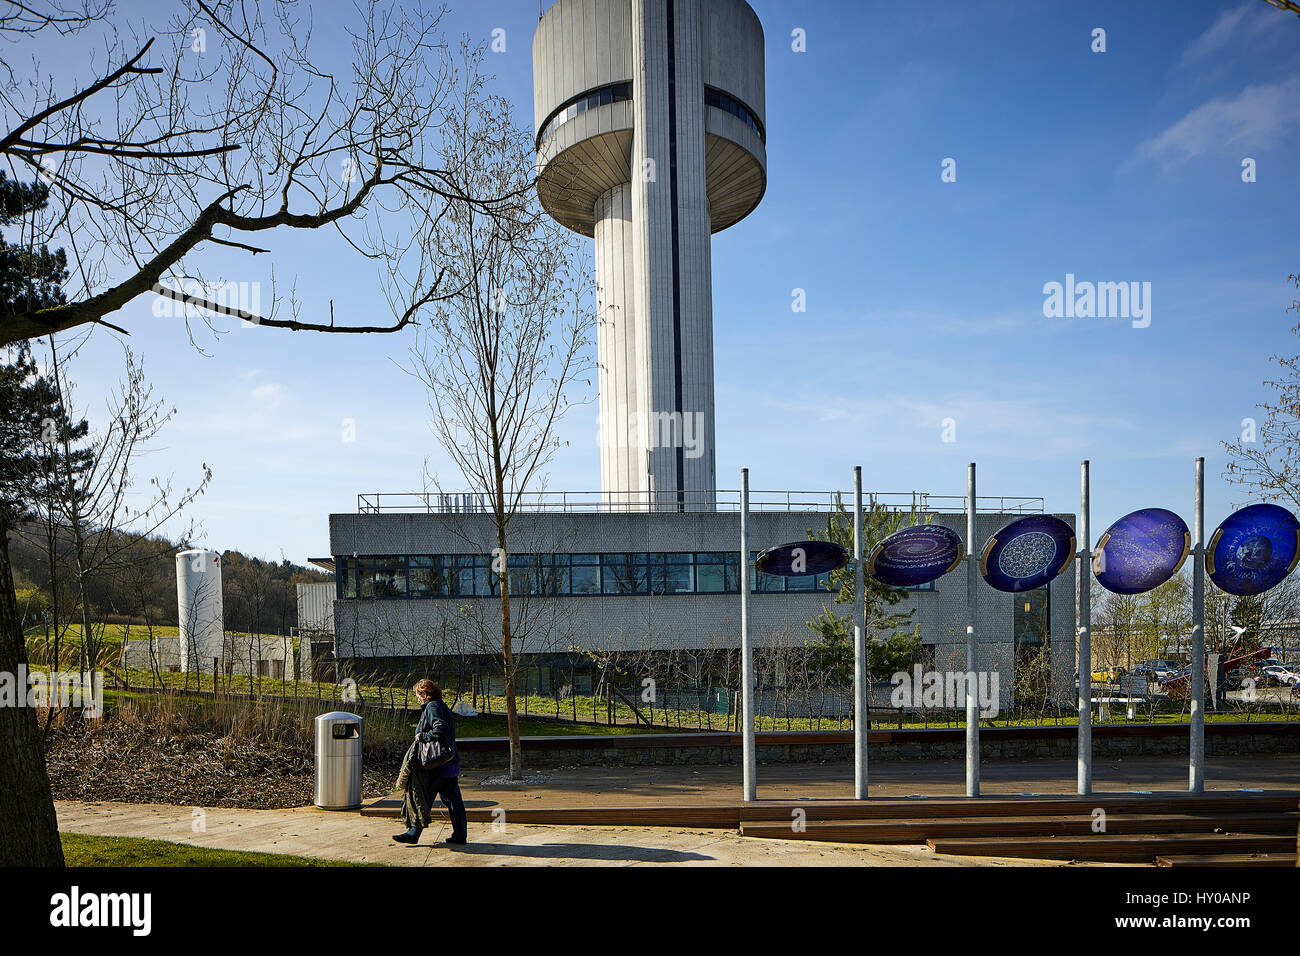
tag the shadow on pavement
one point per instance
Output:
(577, 851)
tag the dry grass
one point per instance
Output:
(218, 753)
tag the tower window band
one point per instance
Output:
(729, 104)
(577, 105)
(622, 92)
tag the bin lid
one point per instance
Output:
(337, 717)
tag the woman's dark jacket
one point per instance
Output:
(437, 722)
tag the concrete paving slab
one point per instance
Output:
(348, 836)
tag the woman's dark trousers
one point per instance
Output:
(417, 804)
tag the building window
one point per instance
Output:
(729, 104)
(577, 105)
(471, 575)
(1031, 622)
(347, 577)
(424, 576)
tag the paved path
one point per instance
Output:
(349, 836)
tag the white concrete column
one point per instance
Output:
(622, 415)
(671, 246)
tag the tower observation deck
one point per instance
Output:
(650, 123)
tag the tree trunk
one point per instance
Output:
(507, 653)
(29, 829)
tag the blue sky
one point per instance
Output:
(924, 297)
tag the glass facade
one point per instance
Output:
(620, 92)
(729, 104)
(1032, 619)
(614, 93)
(470, 575)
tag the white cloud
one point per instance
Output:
(1256, 117)
(1240, 24)
(270, 394)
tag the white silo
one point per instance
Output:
(198, 600)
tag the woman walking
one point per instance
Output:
(437, 722)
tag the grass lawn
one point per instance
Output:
(80, 849)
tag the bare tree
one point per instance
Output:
(1265, 458)
(1286, 5)
(91, 497)
(217, 129)
(503, 353)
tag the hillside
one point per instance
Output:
(139, 585)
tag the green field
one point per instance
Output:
(80, 849)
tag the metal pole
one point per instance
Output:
(746, 651)
(1085, 634)
(859, 650)
(972, 704)
(1196, 772)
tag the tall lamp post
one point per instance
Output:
(860, 702)
(1085, 634)
(972, 704)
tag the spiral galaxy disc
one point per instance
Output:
(1141, 551)
(1253, 550)
(1027, 553)
(916, 555)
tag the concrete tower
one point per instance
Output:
(650, 137)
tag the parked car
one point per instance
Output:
(1109, 675)
(1281, 675)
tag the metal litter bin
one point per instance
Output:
(338, 761)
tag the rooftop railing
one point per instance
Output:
(727, 500)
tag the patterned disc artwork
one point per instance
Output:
(802, 557)
(916, 555)
(1027, 553)
(1141, 551)
(1253, 550)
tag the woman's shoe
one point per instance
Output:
(410, 836)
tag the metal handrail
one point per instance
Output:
(726, 500)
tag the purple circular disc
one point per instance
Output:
(916, 555)
(1027, 553)
(800, 558)
(1253, 550)
(1141, 551)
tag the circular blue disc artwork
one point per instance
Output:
(915, 555)
(800, 558)
(1027, 553)
(1141, 551)
(1253, 550)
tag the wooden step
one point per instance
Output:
(918, 831)
(893, 810)
(888, 808)
(1229, 859)
(1103, 847)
